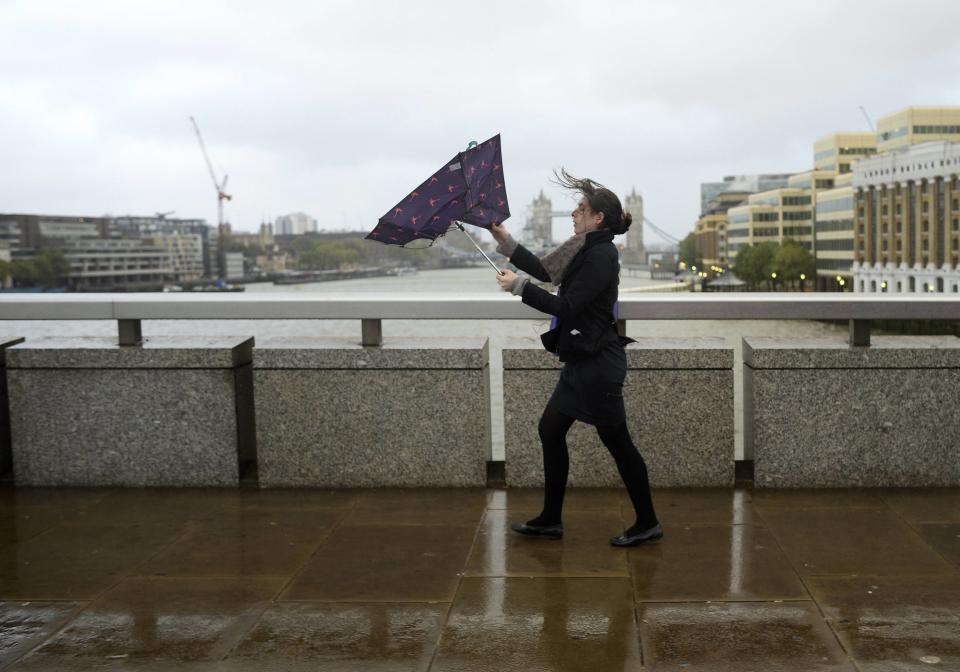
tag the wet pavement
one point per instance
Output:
(435, 580)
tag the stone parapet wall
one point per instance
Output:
(820, 413)
(679, 402)
(412, 413)
(87, 412)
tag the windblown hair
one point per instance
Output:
(599, 198)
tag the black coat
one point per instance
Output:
(584, 304)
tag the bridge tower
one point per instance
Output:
(538, 232)
(634, 242)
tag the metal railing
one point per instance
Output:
(130, 309)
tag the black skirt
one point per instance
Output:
(591, 390)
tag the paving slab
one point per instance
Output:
(246, 543)
(576, 499)
(854, 541)
(362, 563)
(76, 562)
(732, 563)
(818, 498)
(924, 505)
(701, 506)
(894, 623)
(739, 637)
(158, 620)
(540, 624)
(24, 625)
(584, 550)
(944, 538)
(306, 637)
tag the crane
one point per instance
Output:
(222, 196)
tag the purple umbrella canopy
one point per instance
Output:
(469, 188)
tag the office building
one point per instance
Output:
(746, 183)
(295, 224)
(711, 228)
(834, 235)
(838, 151)
(98, 264)
(907, 219)
(918, 124)
(130, 226)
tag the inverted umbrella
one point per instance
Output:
(469, 188)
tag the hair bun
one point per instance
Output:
(626, 219)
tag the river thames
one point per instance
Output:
(473, 282)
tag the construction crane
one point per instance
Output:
(222, 196)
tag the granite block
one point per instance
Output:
(397, 353)
(6, 459)
(364, 418)
(166, 352)
(681, 419)
(884, 352)
(110, 416)
(646, 353)
(828, 415)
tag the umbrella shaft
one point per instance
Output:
(479, 249)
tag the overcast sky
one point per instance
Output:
(338, 109)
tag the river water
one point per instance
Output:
(458, 282)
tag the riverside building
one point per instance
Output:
(711, 228)
(177, 235)
(837, 152)
(771, 216)
(834, 235)
(918, 124)
(98, 264)
(740, 183)
(907, 218)
(112, 253)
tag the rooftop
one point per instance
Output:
(246, 579)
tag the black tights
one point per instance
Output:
(553, 429)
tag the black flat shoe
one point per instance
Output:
(654, 533)
(546, 531)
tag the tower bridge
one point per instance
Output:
(538, 229)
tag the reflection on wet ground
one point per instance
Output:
(435, 580)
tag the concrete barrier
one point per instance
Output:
(821, 413)
(87, 412)
(414, 412)
(679, 402)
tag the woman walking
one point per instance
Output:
(586, 267)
